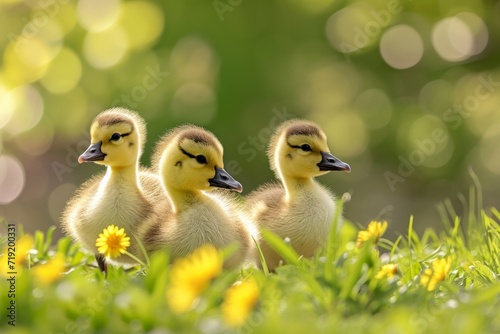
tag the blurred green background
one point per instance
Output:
(408, 92)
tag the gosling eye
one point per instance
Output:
(116, 136)
(201, 159)
(306, 148)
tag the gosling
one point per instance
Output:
(189, 162)
(298, 207)
(125, 195)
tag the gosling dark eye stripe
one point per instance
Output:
(294, 146)
(187, 153)
(303, 147)
(124, 135)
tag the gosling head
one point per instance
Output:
(117, 138)
(189, 158)
(299, 149)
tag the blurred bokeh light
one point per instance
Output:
(403, 87)
(95, 15)
(105, 48)
(11, 179)
(452, 39)
(63, 73)
(401, 47)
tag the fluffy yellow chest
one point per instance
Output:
(309, 218)
(203, 222)
(115, 202)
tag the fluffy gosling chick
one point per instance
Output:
(298, 208)
(189, 163)
(124, 195)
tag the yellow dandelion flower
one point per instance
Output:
(387, 271)
(112, 242)
(239, 301)
(374, 231)
(51, 271)
(431, 277)
(22, 247)
(190, 276)
(181, 297)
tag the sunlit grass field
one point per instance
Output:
(444, 282)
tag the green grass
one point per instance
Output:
(335, 292)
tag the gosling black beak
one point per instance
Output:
(93, 153)
(329, 162)
(222, 179)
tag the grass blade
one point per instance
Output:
(281, 247)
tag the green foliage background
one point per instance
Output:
(233, 66)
